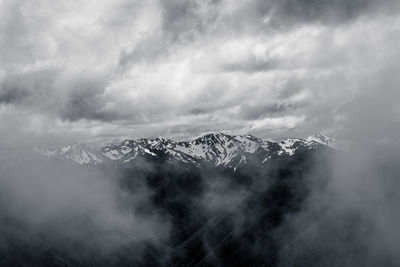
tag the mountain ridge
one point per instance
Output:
(218, 149)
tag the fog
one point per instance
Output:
(351, 215)
(330, 208)
(78, 211)
(95, 71)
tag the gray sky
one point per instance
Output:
(92, 69)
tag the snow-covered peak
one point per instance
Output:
(288, 146)
(320, 138)
(248, 143)
(79, 153)
(161, 143)
(219, 149)
(210, 138)
(327, 141)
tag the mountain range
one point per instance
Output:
(225, 200)
(216, 149)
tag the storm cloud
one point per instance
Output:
(178, 68)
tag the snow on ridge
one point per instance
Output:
(113, 154)
(79, 153)
(328, 141)
(219, 148)
(248, 144)
(287, 146)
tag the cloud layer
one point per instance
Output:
(88, 69)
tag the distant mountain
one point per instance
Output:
(78, 153)
(225, 199)
(217, 149)
(331, 142)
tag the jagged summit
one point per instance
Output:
(215, 148)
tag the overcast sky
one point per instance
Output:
(99, 69)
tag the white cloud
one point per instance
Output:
(131, 68)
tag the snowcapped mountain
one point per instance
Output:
(217, 149)
(78, 153)
(186, 182)
(327, 141)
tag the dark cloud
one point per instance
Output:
(322, 10)
(251, 65)
(29, 88)
(185, 20)
(147, 50)
(85, 100)
(292, 13)
(84, 105)
(256, 111)
(164, 66)
(12, 95)
(79, 98)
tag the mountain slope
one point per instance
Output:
(217, 149)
